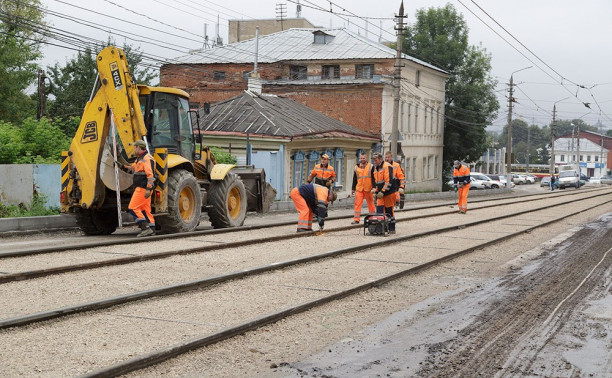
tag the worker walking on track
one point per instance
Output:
(385, 195)
(461, 182)
(362, 187)
(323, 174)
(140, 204)
(309, 200)
(398, 181)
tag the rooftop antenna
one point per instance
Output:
(298, 10)
(219, 39)
(205, 36)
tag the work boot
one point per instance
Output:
(402, 199)
(146, 230)
(355, 222)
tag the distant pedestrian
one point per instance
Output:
(362, 187)
(461, 182)
(385, 195)
(310, 200)
(552, 182)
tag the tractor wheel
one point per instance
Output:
(227, 202)
(184, 203)
(97, 222)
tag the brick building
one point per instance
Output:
(338, 73)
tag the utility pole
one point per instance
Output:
(578, 149)
(42, 95)
(552, 140)
(397, 81)
(528, 146)
(601, 151)
(281, 13)
(509, 147)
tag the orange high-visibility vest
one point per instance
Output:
(462, 175)
(324, 173)
(363, 178)
(398, 173)
(145, 164)
(382, 177)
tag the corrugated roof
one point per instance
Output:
(275, 116)
(297, 44)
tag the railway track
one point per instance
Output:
(361, 256)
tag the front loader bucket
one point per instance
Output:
(260, 193)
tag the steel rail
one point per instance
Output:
(26, 275)
(133, 240)
(152, 358)
(198, 284)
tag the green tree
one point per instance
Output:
(33, 142)
(20, 41)
(71, 84)
(440, 36)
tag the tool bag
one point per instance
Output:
(376, 224)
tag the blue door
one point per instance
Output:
(271, 162)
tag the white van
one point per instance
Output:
(569, 178)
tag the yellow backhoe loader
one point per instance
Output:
(188, 179)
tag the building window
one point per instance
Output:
(438, 121)
(409, 115)
(424, 169)
(588, 157)
(596, 158)
(581, 159)
(219, 75)
(414, 169)
(339, 168)
(407, 170)
(364, 71)
(245, 75)
(425, 120)
(313, 159)
(416, 118)
(298, 168)
(435, 167)
(417, 78)
(562, 157)
(431, 120)
(297, 73)
(331, 72)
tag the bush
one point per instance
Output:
(38, 208)
(34, 142)
(222, 156)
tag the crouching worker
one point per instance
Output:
(382, 175)
(140, 204)
(309, 200)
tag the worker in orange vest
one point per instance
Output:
(385, 195)
(398, 181)
(461, 183)
(140, 204)
(323, 174)
(310, 200)
(362, 187)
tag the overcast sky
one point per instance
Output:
(570, 40)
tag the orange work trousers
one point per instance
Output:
(359, 197)
(305, 214)
(387, 201)
(141, 206)
(463, 194)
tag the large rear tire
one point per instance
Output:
(228, 202)
(97, 222)
(184, 203)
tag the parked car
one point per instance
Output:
(518, 179)
(476, 182)
(546, 182)
(569, 178)
(488, 182)
(530, 179)
(595, 180)
(607, 180)
(501, 179)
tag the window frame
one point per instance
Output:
(325, 71)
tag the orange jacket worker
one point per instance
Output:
(140, 204)
(461, 181)
(385, 194)
(398, 180)
(323, 174)
(362, 187)
(309, 200)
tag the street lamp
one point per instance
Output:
(552, 137)
(509, 148)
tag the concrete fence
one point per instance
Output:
(20, 182)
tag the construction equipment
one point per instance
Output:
(189, 180)
(376, 224)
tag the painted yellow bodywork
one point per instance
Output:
(219, 171)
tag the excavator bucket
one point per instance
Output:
(260, 193)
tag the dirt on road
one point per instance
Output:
(551, 318)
